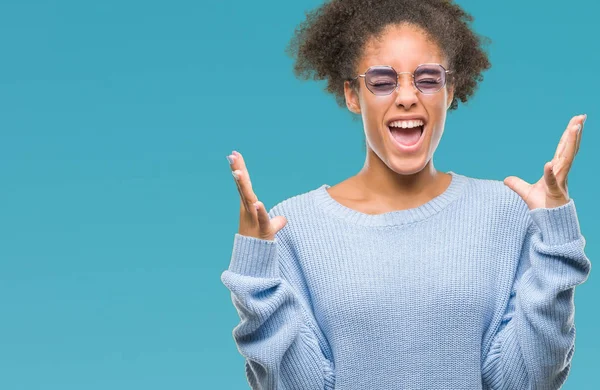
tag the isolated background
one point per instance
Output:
(117, 206)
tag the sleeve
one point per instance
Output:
(277, 334)
(535, 341)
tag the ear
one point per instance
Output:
(450, 96)
(352, 100)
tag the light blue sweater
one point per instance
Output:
(471, 290)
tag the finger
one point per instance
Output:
(232, 158)
(561, 145)
(244, 181)
(248, 197)
(580, 133)
(263, 217)
(243, 201)
(550, 177)
(578, 122)
(566, 159)
(560, 156)
(563, 140)
(518, 185)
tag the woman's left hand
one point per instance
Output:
(551, 190)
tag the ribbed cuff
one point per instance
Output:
(253, 256)
(503, 360)
(329, 375)
(558, 225)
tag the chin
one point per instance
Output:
(408, 166)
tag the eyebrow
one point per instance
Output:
(424, 70)
(429, 71)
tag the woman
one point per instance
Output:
(404, 277)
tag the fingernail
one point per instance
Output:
(231, 159)
(235, 175)
(578, 128)
(235, 153)
(584, 118)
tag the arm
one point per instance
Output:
(534, 344)
(277, 333)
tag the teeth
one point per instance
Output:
(406, 124)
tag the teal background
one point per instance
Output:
(117, 205)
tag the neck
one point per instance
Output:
(383, 185)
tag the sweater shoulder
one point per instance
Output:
(496, 195)
(300, 214)
(295, 205)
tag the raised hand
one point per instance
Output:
(551, 190)
(254, 218)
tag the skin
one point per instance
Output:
(551, 190)
(391, 179)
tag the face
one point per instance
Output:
(402, 47)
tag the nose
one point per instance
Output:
(406, 92)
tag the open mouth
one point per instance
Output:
(407, 136)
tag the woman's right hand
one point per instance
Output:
(253, 222)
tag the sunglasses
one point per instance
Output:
(382, 80)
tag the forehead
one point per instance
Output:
(403, 47)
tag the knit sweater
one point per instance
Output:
(471, 290)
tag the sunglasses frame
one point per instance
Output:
(446, 72)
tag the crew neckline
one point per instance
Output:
(398, 217)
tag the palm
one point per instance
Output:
(537, 195)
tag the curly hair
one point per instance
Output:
(329, 43)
